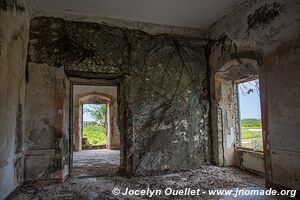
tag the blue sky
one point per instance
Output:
(249, 103)
(86, 115)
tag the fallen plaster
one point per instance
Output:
(205, 178)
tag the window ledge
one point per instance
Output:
(240, 148)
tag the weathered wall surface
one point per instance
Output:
(111, 92)
(271, 28)
(46, 129)
(251, 160)
(164, 82)
(14, 33)
(225, 111)
(282, 87)
(150, 28)
(260, 25)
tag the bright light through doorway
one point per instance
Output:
(94, 124)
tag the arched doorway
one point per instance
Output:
(112, 139)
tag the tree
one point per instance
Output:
(249, 87)
(97, 111)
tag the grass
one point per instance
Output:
(251, 123)
(95, 134)
(247, 124)
(248, 135)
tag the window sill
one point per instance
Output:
(240, 148)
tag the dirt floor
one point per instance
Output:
(208, 177)
(98, 162)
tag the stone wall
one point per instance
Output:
(164, 86)
(14, 33)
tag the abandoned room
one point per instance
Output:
(139, 99)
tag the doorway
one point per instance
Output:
(96, 136)
(94, 126)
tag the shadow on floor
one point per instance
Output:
(98, 162)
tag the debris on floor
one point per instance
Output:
(97, 162)
(205, 178)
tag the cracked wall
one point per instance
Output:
(164, 81)
(269, 29)
(14, 33)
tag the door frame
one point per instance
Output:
(112, 81)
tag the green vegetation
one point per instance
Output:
(97, 111)
(251, 133)
(247, 125)
(251, 123)
(247, 134)
(96, 134)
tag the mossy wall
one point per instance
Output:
(164, 81)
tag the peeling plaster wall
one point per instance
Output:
(271, 29)
(251, 160)
(282, 87)
(109, 91)
(164, 79)
(261, 25)
(47, 120)
(227, 110)
(14, 33)
(225, 113)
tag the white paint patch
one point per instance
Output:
(183, 134)
(184, 123)
(230, 138)
(164, 127)
(255, 129)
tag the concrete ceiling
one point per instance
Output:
(182, 13)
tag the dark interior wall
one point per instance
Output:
(14, 33)
(164, 80)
